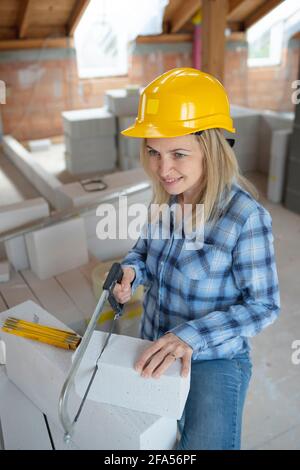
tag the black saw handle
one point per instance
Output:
(115, 275)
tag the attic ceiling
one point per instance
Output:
(31, 21)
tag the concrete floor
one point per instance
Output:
(272, 411)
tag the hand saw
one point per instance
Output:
(115, 275)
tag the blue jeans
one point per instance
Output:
(212, 417)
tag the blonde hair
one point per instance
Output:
(220, 171)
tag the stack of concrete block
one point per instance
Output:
(292, 189)
(58, 248)
(124, 104)
(39, 371)
(90, 139)
(278, 160)
(129, 147)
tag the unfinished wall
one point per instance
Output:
(43, 83)
(270, 87)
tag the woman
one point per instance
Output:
(201, 305)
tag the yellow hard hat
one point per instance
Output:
(180, 102)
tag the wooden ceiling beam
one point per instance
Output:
(23, 20)
(233, 5)
(76, 14)
(265, 8)
(15, 44)
(160, 38)
(213, 37)
(187, 9)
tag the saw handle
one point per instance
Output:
(115, 275)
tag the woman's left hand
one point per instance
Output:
(161, 355)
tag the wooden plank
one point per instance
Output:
(55, 300)
(23, 424)
(168, 38)
(236, 36)
(186, 10)
(80, 7)
(16, 291)
(8, 32)
(15, 44)
(170, 9)
(238, 10)
(263, 10)
(213, 34)
(24, 17)
(79, 290)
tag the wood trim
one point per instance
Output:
(236, 36)
(15, 44)
(261, 11)
(79, 9)
(184, 37)
(187, 9)
(24, 16)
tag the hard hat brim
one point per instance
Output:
(149, 131)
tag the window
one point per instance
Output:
(102, 35)
(267, 48)
(267, 37)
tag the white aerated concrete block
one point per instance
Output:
(39, 370)
(129, 148)
(119, 384)
(53, 250)
(16, 252)
(14, 215)
(122, 103)
(85, 123)
(43, 181)
(23, 425)
(4, 271)
(2, 352)
(90, 146)
(103, 159)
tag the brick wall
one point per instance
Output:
(43, 83)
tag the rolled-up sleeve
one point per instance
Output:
(255, 275)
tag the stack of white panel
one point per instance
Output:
(121, 102)
(124, 104)
(129, 148)
(90, 139)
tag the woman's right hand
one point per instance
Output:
(122, 291)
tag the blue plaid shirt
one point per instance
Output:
(216, 297)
